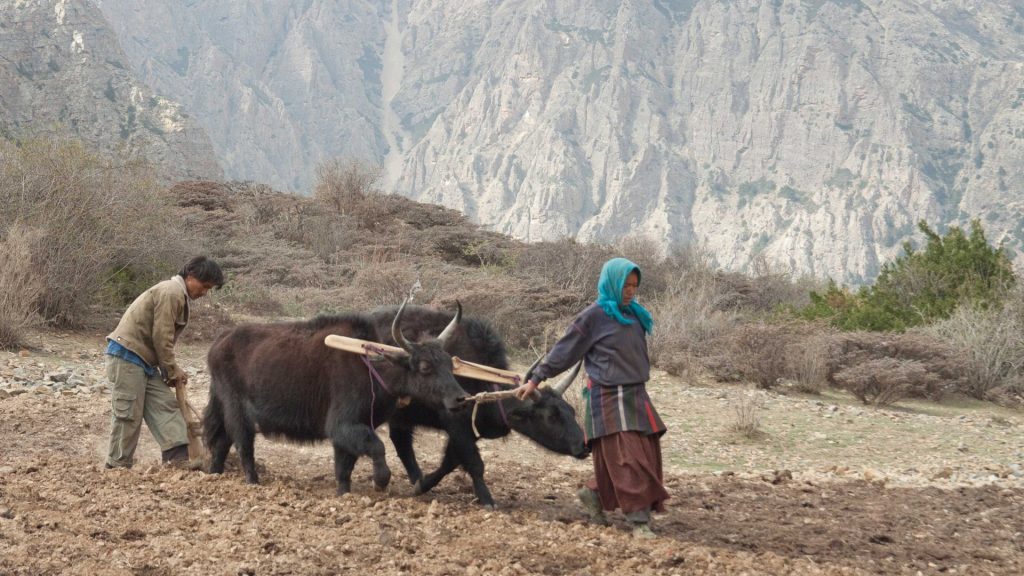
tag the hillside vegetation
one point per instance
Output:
(81, 236)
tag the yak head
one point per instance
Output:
(428, 366)
(549, 420)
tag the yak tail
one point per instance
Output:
(213, 421)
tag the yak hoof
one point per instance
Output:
(381, 477)
(343, 489)
(417, 488)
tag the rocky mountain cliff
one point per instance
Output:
(813, 132)
(62, 72)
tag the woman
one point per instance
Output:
(621, 425)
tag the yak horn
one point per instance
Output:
(446, 334)
(564, 383)
(529, 371)
(396, 331)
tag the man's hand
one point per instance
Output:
(181, 379)
(528, 390)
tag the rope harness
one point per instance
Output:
(374, 375)
(484, 397)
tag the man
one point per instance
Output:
(142, 369)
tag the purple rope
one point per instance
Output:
(501, 407)
(374, 375)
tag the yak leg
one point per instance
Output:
(468, 454)
(217, 439)
(357, 440)
(220, 445)
(243, 434)
(401, 439)
(343, 465)
(449, 463)
(461, 450)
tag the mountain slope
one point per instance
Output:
(62, 72)
(813, 132)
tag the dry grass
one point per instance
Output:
(20, 285)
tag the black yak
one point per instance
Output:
(282, 380)
(548, 420)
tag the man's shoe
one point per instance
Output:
(592, 504)
(642, 530)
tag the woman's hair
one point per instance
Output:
(203, 269)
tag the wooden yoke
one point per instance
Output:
(364, 347)
(487, 373)
(459, 367)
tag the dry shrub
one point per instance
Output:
(207, 318)
(808, 363)
(343, 183)
(884, 381)
(20, 285)
(468, 247)
(992, 344)
(350, 188)
(564, 265)
(772, 288)
(759, 352)
(261, 260)
(328, 235)
(526, 316)
(689, 317)
(382, 284)
(747, 416)
(923, 367)
(765, 291)
(770, 353)
(98, 217)
(649, 255)
(253, 299)
(203, 194)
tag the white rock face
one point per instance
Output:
(63, 73)
(814, 132)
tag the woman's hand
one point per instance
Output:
(527, 390)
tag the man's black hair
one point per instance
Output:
(203, 269)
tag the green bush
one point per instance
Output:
(921, 287)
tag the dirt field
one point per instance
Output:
(829, 487)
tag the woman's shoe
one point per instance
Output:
(643, 531)
(592, 504)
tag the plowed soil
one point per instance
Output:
(828, 487)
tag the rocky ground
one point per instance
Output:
(824, 486)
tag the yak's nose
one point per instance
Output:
(582, 451)
(457, 403)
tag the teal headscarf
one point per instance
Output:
(609, 293)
